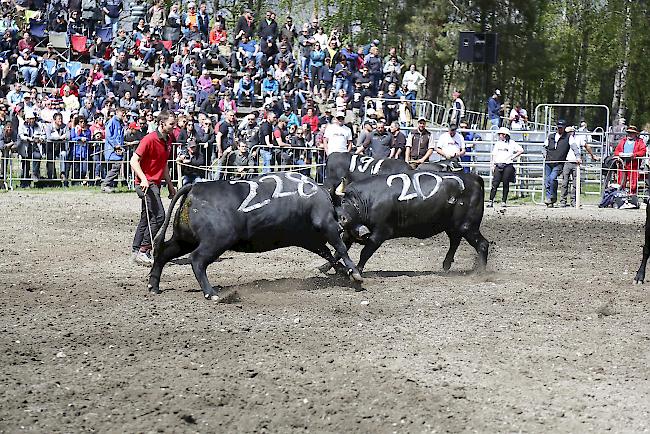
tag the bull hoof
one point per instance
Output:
(355, 276)
(211, 297)
(154, 289)
(446, 266)
(639, 280)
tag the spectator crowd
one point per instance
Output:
(265, 92)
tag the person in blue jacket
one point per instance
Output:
(113, 149)
(494, 109)
(80, 137)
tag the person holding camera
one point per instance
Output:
(504, 153)
(518, 118)
(191, 160)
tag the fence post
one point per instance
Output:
(577, 182)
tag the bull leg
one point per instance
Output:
(454, 242)
(478, 241)
(348, 241)
(640, 275)
(367, 251)
(332, 261)
(332, 235)
(162, 255)
(201, 258)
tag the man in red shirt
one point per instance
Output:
(149, 162)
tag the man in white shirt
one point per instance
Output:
(518, 117)
(337, 137)
(450, 146)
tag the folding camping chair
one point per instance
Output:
(105, 34)
(49, 69)
(74, 70)
(37, 29)
(78, 47)
(59, 41)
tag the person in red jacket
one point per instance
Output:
(630, 149)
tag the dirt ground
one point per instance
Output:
(553, 338)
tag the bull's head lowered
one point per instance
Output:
(349, 210)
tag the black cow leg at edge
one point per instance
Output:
(201, 258)
(162, 255)
(454, 242)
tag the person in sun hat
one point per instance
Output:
(630, 149)
(504, 153)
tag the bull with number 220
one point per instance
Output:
(266, 213)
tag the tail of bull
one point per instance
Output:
(182, 192)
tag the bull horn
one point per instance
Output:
(340, 190)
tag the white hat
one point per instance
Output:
(29, 114)
(504, 130)
(340, 114)
(569, 129)
(497, 92)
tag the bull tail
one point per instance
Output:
(182, 192)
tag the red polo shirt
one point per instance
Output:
(154, 151)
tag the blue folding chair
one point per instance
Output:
(38, 29)
(74, 70)
(49, 70)
(105, 34)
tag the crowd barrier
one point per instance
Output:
(69, 163)
(85, 164)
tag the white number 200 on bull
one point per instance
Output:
(415, 180)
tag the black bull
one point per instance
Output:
(270, 212)
(640, 274)
(414, 204)
(346, 167)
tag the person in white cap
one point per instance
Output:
(337, 137)
(494, 108)
(31, 138)
(504, 153)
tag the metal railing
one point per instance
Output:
(85, 165)
(408, 111)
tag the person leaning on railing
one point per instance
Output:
(57, 134)
(8, 145)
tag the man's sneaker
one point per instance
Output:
(503, 204)
(144, 258)
(490, 204)
(107, 189)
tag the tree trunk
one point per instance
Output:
(619, 100)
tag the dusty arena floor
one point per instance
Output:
(554, 338)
